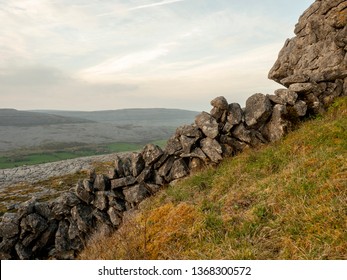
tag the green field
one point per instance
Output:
(58, 152)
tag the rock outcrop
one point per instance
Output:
(313, 68)
(314, 63)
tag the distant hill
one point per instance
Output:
(12, 117)
(144, 117)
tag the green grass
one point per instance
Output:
(283, 201)
(59, 151)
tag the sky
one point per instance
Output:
(114, 54)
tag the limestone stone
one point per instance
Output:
(101, 200)
(207, 124)
(277, 127)
(9, 226)
(115, 216)
(178, 170)
(145, 175)
(83, 194)
(82, 215)
(258, 110)
(151, 153)
(123, 182)
(300, 108)
(235, 114)
(173, 145)
(286, 96)
(212, 149)
(187, 143)
(135, 194)
(220, 102)
(101, 183)
(189, 131)
(241, 133)
(137, 164)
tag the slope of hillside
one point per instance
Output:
(12, 117)
(287, 200)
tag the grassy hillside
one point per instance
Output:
(287, 200)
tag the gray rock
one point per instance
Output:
(45, 240)
(187, 143)
(300, 108)
(220, 102)
(313, 54)
(101, 201)
(9, 226)
(137, 164)
(23, 252)
(302, 87)
(6, 248)
(212, 149)
(241, 133)
(117, 203)
(178, 170)
(123, 166)
(73, 230)
(91, 175)
(278, 126)
(286, 96)
(101, 183)
(43, 209)
(27, 207)
(217, 113)
(296, 78)
(115, 216)
(123, 182)
(197, 153)
(258, 110)
(151, 153)
(173, 146)
(189, 131)
(145, 175)
(237, 146)
(62, 243)
(82, 215)
(207, 124)
(235, 114)
(83, 194)
(161, 161)
(166, 167)
(68, 198)
(135, 194)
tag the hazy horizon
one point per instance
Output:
(116, 54)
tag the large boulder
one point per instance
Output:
(318, 52)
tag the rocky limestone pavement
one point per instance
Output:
(39, 172)
(311, 66)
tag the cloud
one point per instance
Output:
(107, 70)
(156, 4)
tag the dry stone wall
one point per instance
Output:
(313, 68)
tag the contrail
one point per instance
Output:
(156, 4)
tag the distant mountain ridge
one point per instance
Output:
(13, 117)
(140, 116)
